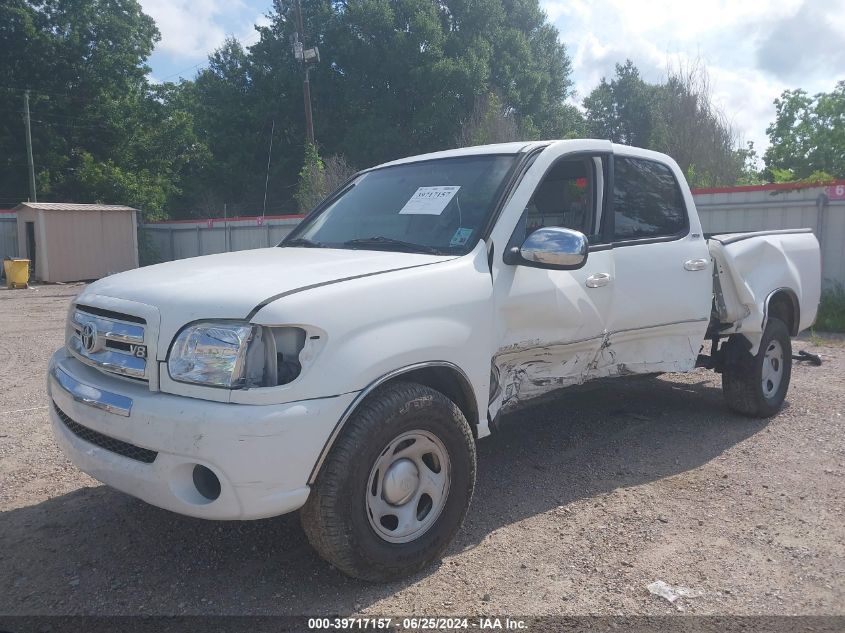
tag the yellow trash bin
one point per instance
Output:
(17, 272)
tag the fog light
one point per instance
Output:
(206, 482)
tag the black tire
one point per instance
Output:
(742, 375)
(336, 517)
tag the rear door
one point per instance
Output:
(662, 285)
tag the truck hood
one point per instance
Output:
(234, 285)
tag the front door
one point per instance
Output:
(552, 323)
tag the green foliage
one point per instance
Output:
(750, 174)
(396, 77)
(312, 183)
(623, 109)
(85, 64)
(808, 134)
(319, 178)
(788, 175)
(490, 122)
(675, 117)
(831, 315)
(402, 77)
(100, 130)
(336, 172)
(234, 119)
(148, 254)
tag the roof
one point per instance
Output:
(475, 150)
(66, 206)
(573, 145)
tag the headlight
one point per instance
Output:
(211, 353)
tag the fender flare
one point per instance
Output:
(366, 391)
(796, 309)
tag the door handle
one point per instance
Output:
(695, 264)
(598, 280)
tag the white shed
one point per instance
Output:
(74, 242)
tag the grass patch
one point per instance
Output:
(831, 316)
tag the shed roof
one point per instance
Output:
(66, 206)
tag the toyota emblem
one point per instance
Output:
(89, 337)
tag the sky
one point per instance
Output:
(753, 50)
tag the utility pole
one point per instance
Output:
(307, 57)
(29, 160)
(309, 121)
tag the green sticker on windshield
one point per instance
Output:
(460, 237)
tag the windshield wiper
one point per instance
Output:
(377, 241)
(304, 242)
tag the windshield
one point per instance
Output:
(437, 206)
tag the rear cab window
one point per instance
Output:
(647, 201)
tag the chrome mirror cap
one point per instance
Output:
(555, 247)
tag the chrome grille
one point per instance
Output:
(109, 341)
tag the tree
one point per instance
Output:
(399, 77)
(808, 134)
(312, 182)
(84, 62)
(694, 132)
(154, 159)
(676, 117)
(622, 109)
(336, 172)
(489, 122)
(396, 77)
(235, 123)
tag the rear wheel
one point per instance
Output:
(756, 385)
(396, 485)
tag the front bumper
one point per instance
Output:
(262, 455)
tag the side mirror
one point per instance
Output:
(551, 247)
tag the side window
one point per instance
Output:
(566, 197)
(647, 200)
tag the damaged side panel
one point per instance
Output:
(751, 266)
(533, 369)
(551, 328)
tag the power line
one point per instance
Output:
(74, 125)
(66, 95)
(179, 72)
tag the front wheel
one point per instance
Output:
(396, 485)
(756, 385)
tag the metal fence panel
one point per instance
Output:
(833, 244)
(759, 210)
(177, 240)
(8, 237)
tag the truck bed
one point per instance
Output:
(753, 267)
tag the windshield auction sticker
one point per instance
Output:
(429, 200)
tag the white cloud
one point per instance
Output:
(191, 29)
(744, 46)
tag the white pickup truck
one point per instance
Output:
(349, 370)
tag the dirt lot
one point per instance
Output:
(580, 503)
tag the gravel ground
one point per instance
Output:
(580, 503)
